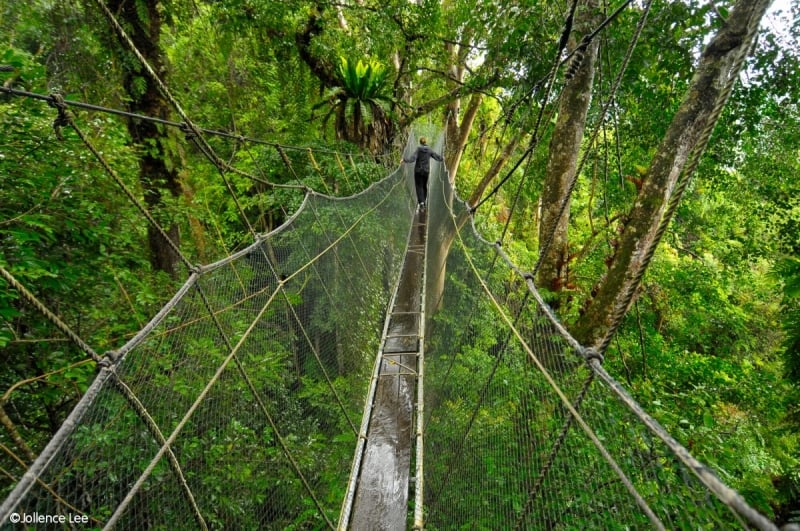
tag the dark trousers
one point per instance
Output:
(421, 183)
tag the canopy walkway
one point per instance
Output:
(399, 342)
(363, 366)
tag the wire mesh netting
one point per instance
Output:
(518, 431)
(237, 407)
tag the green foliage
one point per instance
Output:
(360, 105)
(363, 81)
(711, 347)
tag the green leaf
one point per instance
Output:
(708, 420)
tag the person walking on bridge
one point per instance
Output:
(422, 169)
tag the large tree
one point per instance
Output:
(159, 167)
(642, 229)
(565, 146)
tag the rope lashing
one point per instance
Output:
(577, 58)
(56, 101)
(189, 130)
(592, 354)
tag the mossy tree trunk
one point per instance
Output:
(718, 65)
(158, 171)
(562, 161)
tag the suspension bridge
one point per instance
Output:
(363, 366)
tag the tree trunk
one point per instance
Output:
(719, 65)
(459, 140)
(562, 159)
(495, 169)
(156, 174)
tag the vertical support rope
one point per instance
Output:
(551, 458)
(640, 501)
(254, 392)
(67, 119)
(612, 93)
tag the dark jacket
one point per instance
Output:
(423, 158)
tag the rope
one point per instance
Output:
(154, 430)
(297, 319)
(590, 36)
(562, 396)
(33, 474)
(577, 52)
(53, 318)
(254, 392)
(43, 485)
(124, 389)
(594, 359)
(188, 131)
(6, 421)
(328, 191)
(120, 509)
(725, 494)
(201, 397)
(534, 141)
(318, 358)
(560, 440)
(188, 126)
(64, 117)
(569, 57)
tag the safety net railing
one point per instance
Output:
(523, 428)
(238, 405)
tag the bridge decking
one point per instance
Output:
(381, 500)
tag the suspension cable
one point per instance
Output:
(551, 77)
(574, 54)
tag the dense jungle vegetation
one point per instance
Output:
(710, 344)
